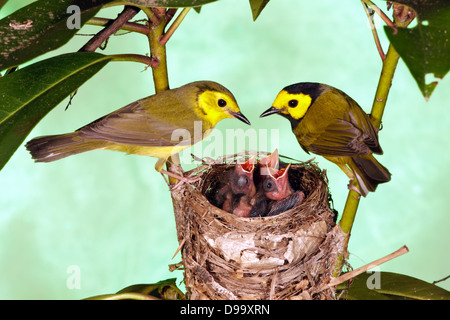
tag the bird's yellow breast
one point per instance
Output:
(157, 152)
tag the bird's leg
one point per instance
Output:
(351, 185)
(347, 171)
(159, 167)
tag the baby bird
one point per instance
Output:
(240, 190)
(274, 192)
(260, 203)
(276, 187)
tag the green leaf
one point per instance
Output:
(391, 286)
(40, 27)
(27, 95)
(257, 7)
(425, 49)
(165, 290)
(165, 3)
(2, 3)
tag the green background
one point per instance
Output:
(110, 214)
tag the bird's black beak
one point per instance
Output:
(270, 111)
(240, 116)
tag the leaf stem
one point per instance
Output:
(149, 61)
(124, 296)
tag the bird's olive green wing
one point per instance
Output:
(346, 134)
(362, 121)
(146, 123)
(338, 139)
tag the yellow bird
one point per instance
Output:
(151, 126)
(327, 122)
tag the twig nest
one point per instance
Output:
(285, 256)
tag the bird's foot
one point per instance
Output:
(180, 179)
(351, 186)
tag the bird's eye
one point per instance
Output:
(293, 103)
(268, 185)
(221, 103)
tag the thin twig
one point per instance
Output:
(155, 20)
(179, 247)
(174, 26)
(443, 279)
(273, 284)
(127, 26)
(374, 30)
(128, 13)
(170, 14)
(354, 273)
(382, 15)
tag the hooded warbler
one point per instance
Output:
(327, 122)
(151, 126)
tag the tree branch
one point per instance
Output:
(158, 50)
(378, 106)
(160, 74)
(128, 13)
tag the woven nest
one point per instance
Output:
(286, 256)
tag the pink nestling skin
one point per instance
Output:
(276, 187)
(276, 184)
(260, 203)
(241, 180)
(241, 189)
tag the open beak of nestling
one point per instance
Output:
(240, 116)
(248, 166)
(242, 178)
(271, 160)
(279, 187)
(268, 112)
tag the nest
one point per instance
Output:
(287, 256)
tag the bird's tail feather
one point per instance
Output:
(55, 147)
(369, 173)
